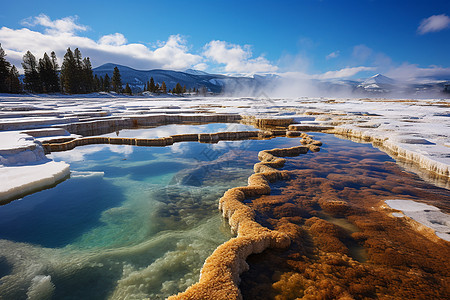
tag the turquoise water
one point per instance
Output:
(131, 221)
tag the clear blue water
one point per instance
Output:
(131, 221)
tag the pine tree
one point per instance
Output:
(157, 88)
(88, 78)
(14, 84)
(4, 71)
(32, 79)
(178, 88)
(152, 87)
(97, 85)
(116, 80)
(55, 84)
(184, 89)
(127, 90)
(107, 84)
(163, 87)
(80, 84)
(68, 73)
(102, 84)
(46, 74)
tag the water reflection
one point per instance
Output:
(130, 222)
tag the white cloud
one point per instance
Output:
(332, 55)
(64, 25)
(237, 58)
(433, 24)
(413, 72)
(200, 67)
(61, 34)
(116, 39)
(175, 54)
(342, 73)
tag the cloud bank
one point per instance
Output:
(48, 35)
(42, 34)
(237, 58)
(60, 34)
(433, 24)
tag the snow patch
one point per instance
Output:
(425, 214)
(21, 180)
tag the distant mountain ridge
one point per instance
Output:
(217, 83)
(190, 78)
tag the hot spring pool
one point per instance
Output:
(136, 221)
(139, 222)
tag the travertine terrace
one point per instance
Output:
(33, 126)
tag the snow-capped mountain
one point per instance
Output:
(377, 84)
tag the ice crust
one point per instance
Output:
(425, 214)
(20, 180)
(24, 167)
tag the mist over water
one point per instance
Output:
(293, 85)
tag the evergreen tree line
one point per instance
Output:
(44, 75)
(182, 90)
(107, 84)
(9, 76)
(156, 88)
(41, 76)
(74, 77)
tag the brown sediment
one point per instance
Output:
(395, 150)
(219, 277)
(435, 168)
(266, 122)
(311, 127)
(398, 259)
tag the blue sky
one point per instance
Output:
(315, 38)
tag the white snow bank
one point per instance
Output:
(32, 122)
(425, 214)
(18, 148)
(20, 180)
(44, 132)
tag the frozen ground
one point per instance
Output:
(415, 131)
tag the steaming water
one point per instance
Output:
(133, 222)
